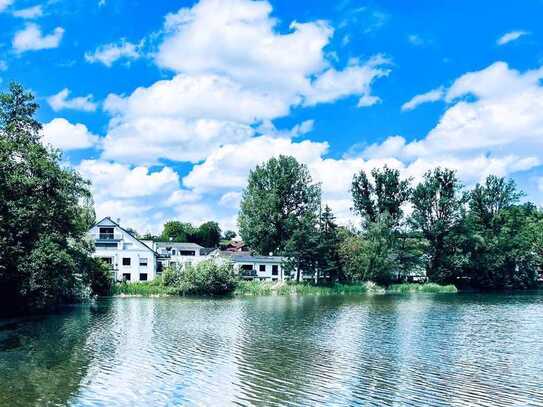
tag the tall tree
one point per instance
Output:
(503, 251)
(438, 214)
(208, 234)
(279, 200)
(176, 231)
(45, 212)
(328, 248)
(385, 196)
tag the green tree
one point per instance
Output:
(503, 247)
(176, 231)
(372, 255)
(385, 196)
(328, 247)
(45, 212)
(438, 214)
(279, 201)
(302, 249)
(229, 235)
(208, 234)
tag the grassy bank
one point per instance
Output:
(143, 289)
(421, 288)
(259, 288)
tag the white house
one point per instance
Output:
(131, 259)
(249, 267)
(180, 254)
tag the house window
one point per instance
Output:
(143, 262)
(126, 261)
(126, 276)
(275, 270)
(262, 267)
(187, 253)
(174, 252)
(143, 276)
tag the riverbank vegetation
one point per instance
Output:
(435, 230)
(46, 210)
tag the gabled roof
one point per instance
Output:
(126, 231)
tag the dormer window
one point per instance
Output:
(174, 252)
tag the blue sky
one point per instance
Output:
(167, 105)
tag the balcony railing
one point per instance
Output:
(107, 236)
(248, 273)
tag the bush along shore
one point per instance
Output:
(208, 278)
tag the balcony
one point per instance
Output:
(248, 273)
(106, 237)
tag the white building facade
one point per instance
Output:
(262, 268)
(130, 258)
(179, 254)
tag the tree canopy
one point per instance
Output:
(45, 212)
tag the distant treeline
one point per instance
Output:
(483, 238)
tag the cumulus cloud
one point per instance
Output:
(61, 101)
(32, 39)
(224, 87)
(60, 133)
(4, 4)
(29, 12)
(510, 37)
(108, 54)
(431, 96)
(493, 125)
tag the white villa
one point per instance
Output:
(133, 259)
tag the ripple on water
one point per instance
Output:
(460, 350)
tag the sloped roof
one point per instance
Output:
(126, 231)
(258, 259)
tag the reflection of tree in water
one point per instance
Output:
(42, 361)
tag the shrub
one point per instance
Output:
(171, 276)
(207, 278)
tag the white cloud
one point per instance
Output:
(499, 129)
(4, 4)
(225, 86)
(32, 39)
(30, 12)
(3, 65)
(60, 133)
(510, 37)
(61, 101)
(431, 96)
(114, 180)
(108, 54)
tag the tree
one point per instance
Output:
(45, 212)
(503, 247)
(372, 255)
(385, 196)
(229, 235)
(208, 234)
(302, 249)
(438, 214)
(176, 231)
(328, 247)
(279, 200)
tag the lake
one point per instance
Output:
(418, 349)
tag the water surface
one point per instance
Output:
(423, 349)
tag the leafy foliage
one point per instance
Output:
(45, 212)
(208, 234)
(207, 278)
(277, 206)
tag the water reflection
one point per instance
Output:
(383, 350)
